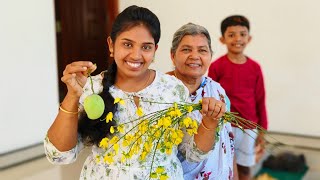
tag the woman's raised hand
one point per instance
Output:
(75, 76)
(212, 110)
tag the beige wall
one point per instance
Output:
(285, 42)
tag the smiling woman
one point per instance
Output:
(191, 55)
(133, 52)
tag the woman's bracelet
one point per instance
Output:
(206, 128)
(68, 112)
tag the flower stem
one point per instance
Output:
(91, 82)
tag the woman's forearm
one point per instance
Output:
(63, 133)
(205, 139)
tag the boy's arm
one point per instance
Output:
(260, 101)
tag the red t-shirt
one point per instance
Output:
(244, 86)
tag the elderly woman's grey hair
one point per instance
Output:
(189, 29)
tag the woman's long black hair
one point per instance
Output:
(92, 131)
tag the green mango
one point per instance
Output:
(94, 106)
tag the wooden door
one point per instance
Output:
(82, 30)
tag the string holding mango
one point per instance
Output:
(93, 104)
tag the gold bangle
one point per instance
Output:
(68, 112)
(206, 128)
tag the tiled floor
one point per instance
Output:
(35, 170)
(41, 169)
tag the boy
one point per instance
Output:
(242, 79)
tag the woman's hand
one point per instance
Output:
(212, 110)
(75, 76)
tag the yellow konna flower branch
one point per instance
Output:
(157, 132)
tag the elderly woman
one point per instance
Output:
(191, 55)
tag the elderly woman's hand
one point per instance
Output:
(212, 110)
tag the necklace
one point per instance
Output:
(149, 76)
(142, 87)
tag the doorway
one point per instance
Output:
(82, 28)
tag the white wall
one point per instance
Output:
(285, 42)
(29, 89)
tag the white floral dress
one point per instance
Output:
(164, 88)
(219, 164)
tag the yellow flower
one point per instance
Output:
(139, 112)
(143, 127)
(164, 177)
(159, 146)
(194, 124)
(120, 128)
(160, 122)
(172, 113)
(139, 141)
(180, 133)
(187, 121)
(128, 137)
(111, 129)
(143, 155)
(109, 117)
(174, 134)
(177, 141)
(119, 100)
(108, 159)
(160, 169)
(125, 143)
(175, 113)
(135, 149)
(147, 146)
(168, 145)
(123, 158)
(190, 132)
(178, 113)
(116, 147)
(189, 109)
(175, 105)
(157, 134)
(104, 143)
(153, 175)
(114, 140)
(130, 154)
(166, 122)
(195, 130)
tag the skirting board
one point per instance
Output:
(20, 156)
